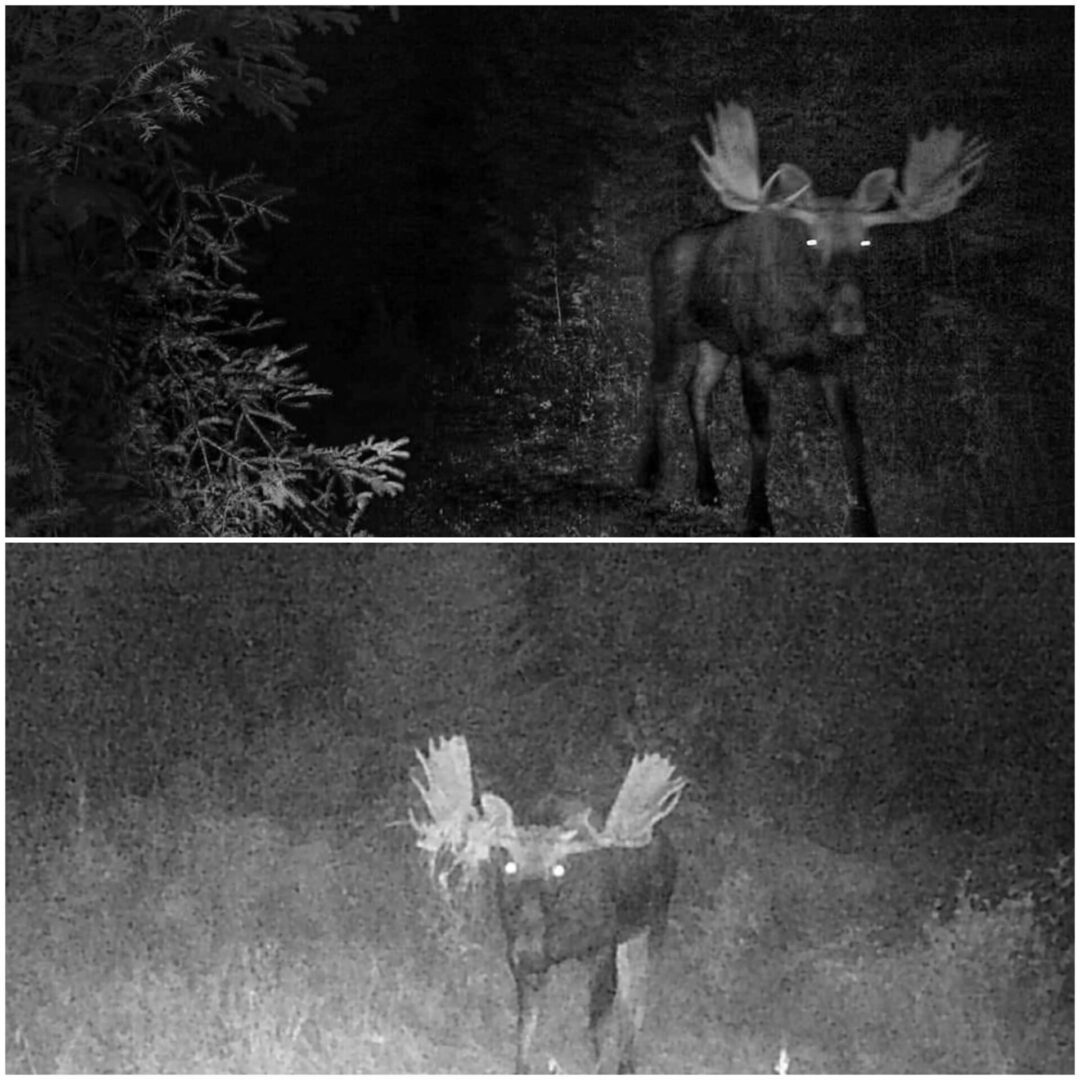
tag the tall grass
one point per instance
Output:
(148, 938)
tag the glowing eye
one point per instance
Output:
(811, 242)
(864, 243)
(558, 870)
(510, 869)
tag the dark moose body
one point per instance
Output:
(754, 290)
(779, 287)
(585, 908)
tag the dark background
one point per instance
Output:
(836, 688)
(475, 197)
(210, 865)
(480, 189)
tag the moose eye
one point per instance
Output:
(510, 868)
(558, 870)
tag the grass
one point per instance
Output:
(964, 406)
(153, 939)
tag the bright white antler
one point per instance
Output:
(448, 797)
(732, 167)
(467, 834)
(648, 794)
(457, 828)
(940, 170)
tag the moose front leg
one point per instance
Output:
(529, 988)
(601, 999)
(839, 399)
(756, 386)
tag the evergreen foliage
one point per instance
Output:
(139, 399)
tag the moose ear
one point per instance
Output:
(790, 186)
(498, 814)
(873, 191)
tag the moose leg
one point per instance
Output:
(838, 398)
(663, 460)
(632, 969)
(601, 997)
(529, 988)
(648, 464)
(756, 384)
(710, 366)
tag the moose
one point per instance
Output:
(567, 891)
(608, 906)
(779, 287)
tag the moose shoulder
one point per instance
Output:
(779, 287)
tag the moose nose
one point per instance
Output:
(527, 945)
(846, 312)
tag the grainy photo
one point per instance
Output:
(540, 271)
(475, 808)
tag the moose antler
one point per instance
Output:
(456, 826)
(448, 794)
(732, 168)
(648, 794)
(940, 170)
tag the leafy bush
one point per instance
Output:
(138, 399)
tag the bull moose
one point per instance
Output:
(576, 889)
(779, 287)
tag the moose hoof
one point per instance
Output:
(861, 522)
(708, 494)
(758, 524)
(758, 530)
(758, 519)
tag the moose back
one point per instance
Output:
(778, 287)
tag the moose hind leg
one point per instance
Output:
(756, 387)
(601, 999)
(708, 370)
(632, 970)
(841, 405)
